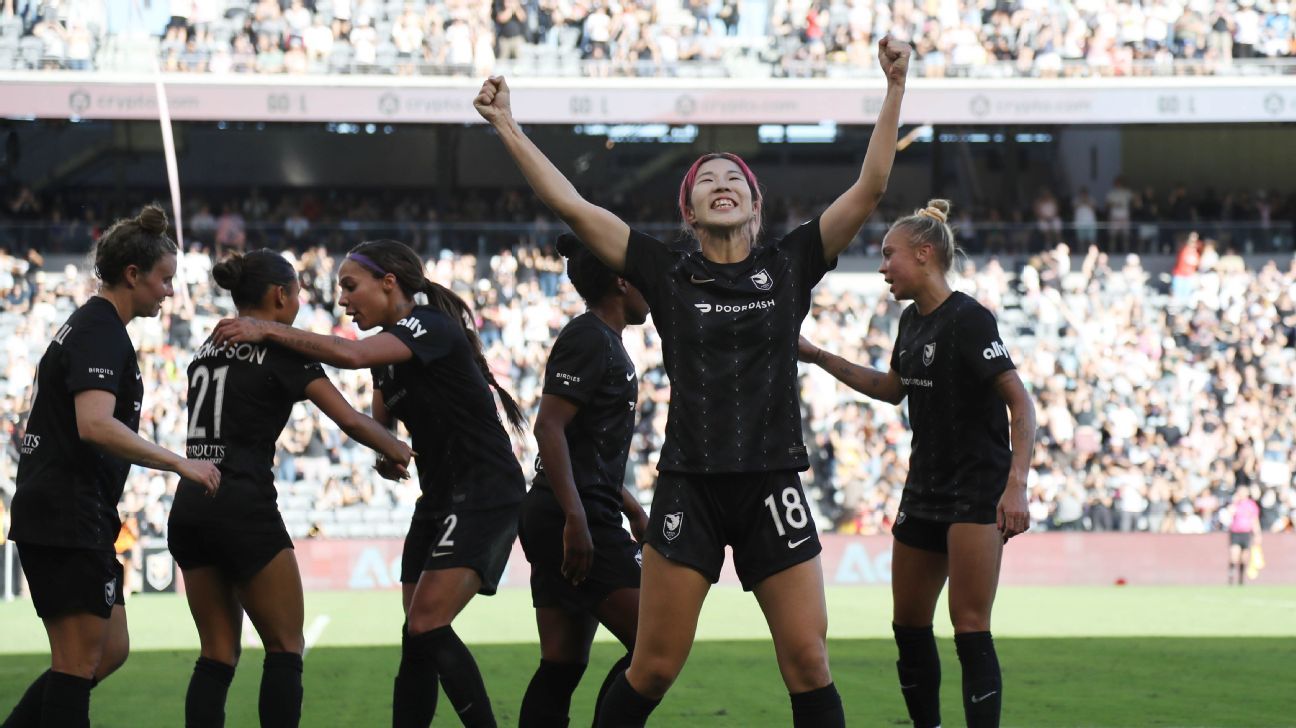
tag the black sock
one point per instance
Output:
(982, 684)
(920, 674)
(547, 702)
(66, 703)
(27, 713)
(620, 667)
(414, 699)
(624, 707)
(205, 701)
(818, 708)
(281, 690)
(460, 678)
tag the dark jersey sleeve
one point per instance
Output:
(805, 245)
(429, 334)
(980, 346)
(97, 359)
(294, 373)
(576, 364)
(648, 262)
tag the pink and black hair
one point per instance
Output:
(690, 178)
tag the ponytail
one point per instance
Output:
(445, 300)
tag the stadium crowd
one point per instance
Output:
(1127, 218)
(1155, 401)
(637, 37)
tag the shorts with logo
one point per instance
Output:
(1242, 540)
(63, 580)
(762, 516)
(929, 534)
(238, 554)
(477, 539)
(616, 555)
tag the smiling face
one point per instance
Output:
(721, 198)
(150, 288)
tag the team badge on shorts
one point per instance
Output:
(639, 556)
(929, 354)
(672, 525)
(110, 591)
(762, 280)
(159, 570)
(900, 518)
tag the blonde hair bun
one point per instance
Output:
(937, 210)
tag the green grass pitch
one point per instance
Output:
(1103, 656)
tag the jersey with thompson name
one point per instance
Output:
(240, 399)
(67, 489)
(465, 458)
(590, 367)
(729, 342)
(947, 361)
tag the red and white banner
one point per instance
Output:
(387, 99)
(1042, 559)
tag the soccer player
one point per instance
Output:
(966, 491)
(728, 317)
(584, 566)
(429, 373)
(80, 442)
(233, 548)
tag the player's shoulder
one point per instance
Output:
(586, 333)
(422, 320)
(964, 308)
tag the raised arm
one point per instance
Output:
(378, 350)
(842, 221)
(885, 386)
(97, 426)
(1013, 515)
(605, 234)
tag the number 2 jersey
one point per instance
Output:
(465, 459)
(947, 361)
(67, 489)
(240, 399)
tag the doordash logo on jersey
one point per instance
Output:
(994, 351)
(729, 308)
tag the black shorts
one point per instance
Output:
(922, 533)
(63, 580)
(474, 539)
(616, 555)
(1241, 539)
(762, 516)
(238, 555)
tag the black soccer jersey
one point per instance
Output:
(67, 489)
(589, 366)
(240, 399)
(464, 454)
(946, 361)
(729, 343)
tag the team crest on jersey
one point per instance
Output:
(929, 354)
(110, 592)
(159, 569)
(762, 280)
(672, 525)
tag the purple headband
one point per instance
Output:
(366, 262)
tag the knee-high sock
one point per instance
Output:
(547, 703)
(414, 698)
(982, 683)
(619, 668)
(818, 708)
(27, 713)
(625, 707)
(66, 702)
(208, 687)
(281, 690)
(920, 674)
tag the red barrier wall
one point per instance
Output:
(1033, 559)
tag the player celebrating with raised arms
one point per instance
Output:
(965, 495)
(430, 374)
(80, 441)
(583, 563)
(728, 317)
(233, 548)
